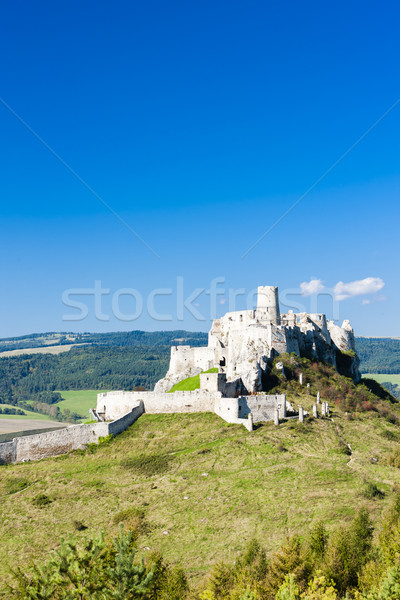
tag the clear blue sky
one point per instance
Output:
(200, 124)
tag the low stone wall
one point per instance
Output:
(61, 441)
(119, 425)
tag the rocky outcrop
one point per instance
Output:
(242, 345)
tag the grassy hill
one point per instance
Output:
(206, 487)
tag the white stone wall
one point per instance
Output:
(262, 406)
(268, 303)
(7, 452)
(186, 362)
(61, 441)
(118, 403)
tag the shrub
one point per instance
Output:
(389, 435)
(102, 441)
(371, 491)
(281, 448)
(133, 518)
(343, 448)
(79, 526)
(41, 500)
(394, 458)
(147, 464)
(95, 569)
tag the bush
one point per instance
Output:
(147, 464)
(79, 526)
(133, 518)
(41, 500)
(389, 435)
(343, 448)
(102, 441)
(95, 569)
(371, 492)
(394, 458)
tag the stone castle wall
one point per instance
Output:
(114, 404)
(232, 410)
(61, 441)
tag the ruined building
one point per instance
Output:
(241, 346)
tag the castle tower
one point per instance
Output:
(268, 303)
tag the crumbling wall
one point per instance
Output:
(61, 441)
(186, 362)
(262, 406)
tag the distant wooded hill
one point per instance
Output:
(379, 355)
(123, 360)
(108, 361)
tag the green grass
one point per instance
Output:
(381, 377)
(190, 383)
(79, 401)
(212, 486)
(29, 414)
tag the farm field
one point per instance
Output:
(381, 377)
(40, 350)
(15, 424)
(30, 415)
(79, 401)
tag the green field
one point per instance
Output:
(29, 414)
(381, 377)
(79, 401)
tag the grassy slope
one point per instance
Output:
(223, 486)
(190, 383)
(79, 401)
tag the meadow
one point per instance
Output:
(29, 414)
(381, 377)
(79, 401)
(205, 487)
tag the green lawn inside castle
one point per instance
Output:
(190, 383)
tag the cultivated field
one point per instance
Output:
(381, 377)
(40, 350)
(14, 424)
(30, 415)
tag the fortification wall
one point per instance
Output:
(118, 403)
(268, 303)
(7, 452)
(185, 359)
(61, 441)
(262, 407)
(114, 405)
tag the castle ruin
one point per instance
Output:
(241, 347)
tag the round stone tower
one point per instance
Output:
(268, 304)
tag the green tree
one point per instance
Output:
(95, 570)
